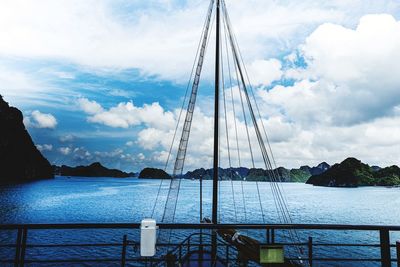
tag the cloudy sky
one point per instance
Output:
(103, 80)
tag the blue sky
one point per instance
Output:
(103, 80)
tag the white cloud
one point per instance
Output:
(90, 107)
(340, 54)
(67, 138)
(343, 103)
(120, 34)
(24, 87)
(82, 154)
(44, 147)
(65, 150)
(141, 156)
(40, 120)
(129, 143)
(350, 76)
(264, 72)
(127, 114)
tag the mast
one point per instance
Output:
(216, 118)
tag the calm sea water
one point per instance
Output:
(73, 200)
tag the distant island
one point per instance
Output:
(349, 173)
(152, 173)
(20, 160)
(352, 173)
(300, 175)
(93, 170)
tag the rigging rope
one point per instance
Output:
(227, 131)
(271, 163)
(234, 118)
(247, 131)
(274, 185)
(173, 192)
(179, 117)
(247, 96)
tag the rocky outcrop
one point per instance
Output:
(20, 160)
(224, 174)
(152, 173)
(93, 170)
(257, 174)
(352, 173)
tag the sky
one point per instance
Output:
(104, 80)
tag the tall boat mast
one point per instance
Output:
(216, 117)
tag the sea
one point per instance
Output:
(129, 200)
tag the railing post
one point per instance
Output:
(385, 248)
(123, 254)
(273, 236)
(23, 247)
(227, 254)
(18, 248)
(398, 253)
(310, 251)
(268, 236)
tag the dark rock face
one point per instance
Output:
(152, 173)
(320, 168)
(20, 160)
(93, 170)
(224, 174)
(352, 172)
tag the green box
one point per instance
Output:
(271, 254)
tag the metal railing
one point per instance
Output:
(128, 250)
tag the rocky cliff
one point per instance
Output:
(352, 173)
(152, 173)
(256, 174)
(20, 160)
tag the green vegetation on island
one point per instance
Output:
(352, 173)
(300, 175)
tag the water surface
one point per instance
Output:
(73, 200)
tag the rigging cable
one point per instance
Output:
(236, 128)
(273, 162)
(274, 172)
(180, 115)
(238, 68)
(173, 191)
(276, 189)
(265, 156)
(227, 130)
(234, 120)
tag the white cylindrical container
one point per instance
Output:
(148, 237)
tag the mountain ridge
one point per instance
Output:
(93, 170)
(258, 174)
